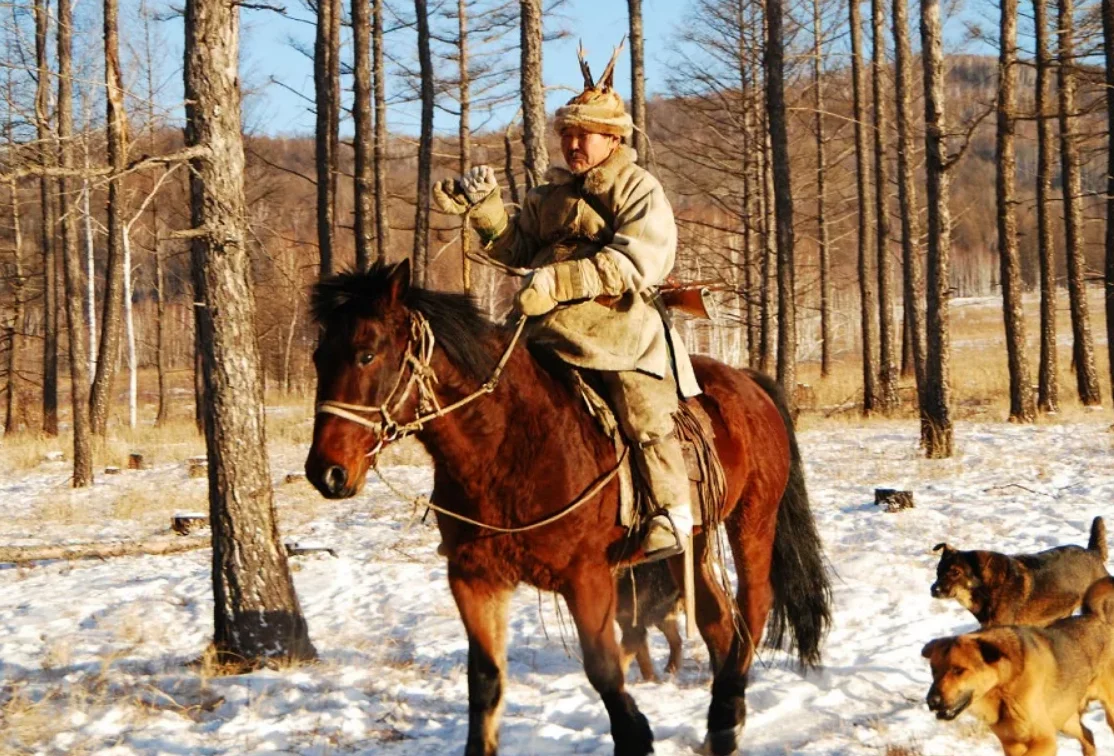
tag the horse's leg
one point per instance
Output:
(590, 596)
(714, 617)
(751, 547)
(483, 609)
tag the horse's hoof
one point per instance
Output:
(721, 742)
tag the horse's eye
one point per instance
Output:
(366, 358)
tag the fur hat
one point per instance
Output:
(599, 108)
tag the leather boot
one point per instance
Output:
(663, 465)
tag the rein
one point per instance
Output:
(422, 376)
(419, 355)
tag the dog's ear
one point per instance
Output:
(991, 652)
(943, 547)
(930, 647)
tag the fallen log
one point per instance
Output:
(104, 550)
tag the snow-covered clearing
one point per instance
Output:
(92, 653)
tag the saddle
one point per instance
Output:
(707, 481)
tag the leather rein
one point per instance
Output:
(419, 356)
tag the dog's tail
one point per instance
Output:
(1098, 538)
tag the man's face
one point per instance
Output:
(584, 149)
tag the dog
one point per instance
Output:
(648, 597)
(1027, 589)
(1028, 683)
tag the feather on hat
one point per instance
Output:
(599, 108)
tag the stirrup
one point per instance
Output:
(666, 552)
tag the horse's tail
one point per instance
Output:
(802, 592)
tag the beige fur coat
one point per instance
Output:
(632, 251)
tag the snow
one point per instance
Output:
(93, 654)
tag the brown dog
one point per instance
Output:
(1027, 683)
(1027, 589)
(648, 597)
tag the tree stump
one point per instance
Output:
(135, 461)
(299, 548)
(184, 523)
(198, 467)
(892, 499)
(294, 477)
(111, 470)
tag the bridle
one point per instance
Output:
(422, 378)
(419, 356)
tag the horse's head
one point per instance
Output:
(367, 331)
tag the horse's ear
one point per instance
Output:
(398, 283)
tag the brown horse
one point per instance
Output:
(390, 353)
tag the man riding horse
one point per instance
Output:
(600, 238)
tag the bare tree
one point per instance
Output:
(637, 80)
(13, 393)
(73, 275)
(326, 80)
(533, 93)
(46, 223)
(887, 367)
(112, 314)
(256, 612)
(936, 424)
(821, 208)
(1082, 347)
(1048, 384)
(868, 302)
(912, 283)
(465, 132)
(1022, 409)
(1108, 273)
(425, 148)
(362, 139)
(382, 220)
(783, 199)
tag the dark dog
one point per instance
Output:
(648, 597)
(1027, 589)
(1028, 683)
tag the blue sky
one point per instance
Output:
(600, 23)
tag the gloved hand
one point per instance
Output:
(450, 197)
(478, 183)
(569, 281)
(540, 295)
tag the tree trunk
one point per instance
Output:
(73, 275)
(821, 209)
(256, 612)
(912, 283)
(508, 165)
(768, 250)
(637, 81)
(324, 158)
(163, 413)
(129, 332)
(13, 392)
(1083, 353)
(1022, 409)
(533, 94)
(867, 304)
(425, 149)
(783, 199)
(46, 224)
(363, 183)
(887, 364)
(1108, 273)
(936, 423)
(465, 135)
(382, 200)
(1048, 390)
(112, 314)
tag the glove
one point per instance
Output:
(478, 183)
(539, 296)
(450, 197)
(567, 281)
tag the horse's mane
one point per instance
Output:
(461, 329)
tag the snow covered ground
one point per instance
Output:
(92, 653)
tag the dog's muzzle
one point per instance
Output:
(937, 704)
(938, 592)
